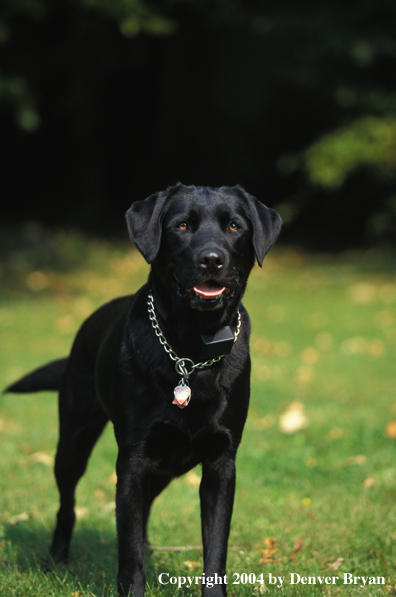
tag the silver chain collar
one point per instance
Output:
(180, 364)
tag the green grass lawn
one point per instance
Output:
(316, 471)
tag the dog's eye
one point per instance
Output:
(182, 226)
(233, 227)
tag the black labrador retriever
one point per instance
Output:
(169, 366)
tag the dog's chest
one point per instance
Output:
(171, 450)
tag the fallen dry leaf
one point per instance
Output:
(37, 281)
(83, 307)
(192, 564)
(109, 507)
(264, 423)
(390, 429)
(354, 345)
(293, 419)
(335, 565)
(113, 479)
(363, 293)
(262, 346)
(25, 448)
(270, 542)
(376, 349)
(282, 349)
(387, 292)
(81, 512)
(42, 458)
(192, 479)
(297, 546)
(337, 433)
(358, 459)
(269, 552)
(19, 518)
(261, 589)
(66, 324)
(310, 355)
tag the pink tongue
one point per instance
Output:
(209, 290)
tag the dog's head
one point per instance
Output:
(202, 241)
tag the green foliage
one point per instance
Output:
(370, 141)
(318, 500)
(15, 91)
(287, 94)
(133, 16)
(36, 9)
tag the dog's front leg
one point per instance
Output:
(217, 498)
(130, 514)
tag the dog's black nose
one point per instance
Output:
(211, 259)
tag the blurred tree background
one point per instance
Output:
(103, 102)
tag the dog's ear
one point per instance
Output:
(144, 222)
(266, 225)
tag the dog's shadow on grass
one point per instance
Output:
(92, 565)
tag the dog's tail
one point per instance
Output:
(45, 378)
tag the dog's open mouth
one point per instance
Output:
(209, 294)
(210, 289)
